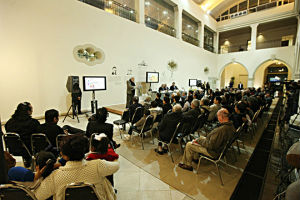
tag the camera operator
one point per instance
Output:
(76, 98)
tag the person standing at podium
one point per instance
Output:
(130, 91)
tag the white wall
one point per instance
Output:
(36, 56)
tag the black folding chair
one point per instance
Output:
(15, 146)
(59, 138)
(146, 128)
(15, 192)
(177, 129)
(216, 160)
(123, 121)
(79, 191)
(138, 114)
(40, 142)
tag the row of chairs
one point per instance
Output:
(39, 142)
(73, 191)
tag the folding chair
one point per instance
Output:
(59, 138)
(177, 129)
(14, 191)
(79, 191)
(138, 114)
(146, 128)
(15, 146)
(237, 136)
(216, 160)
(39, 142)
(123, 121)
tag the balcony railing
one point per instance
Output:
(251, 10)
(273, 44)
(234, 48)
(190, 39)
(114, 8)
(208, 47)
(160, 26)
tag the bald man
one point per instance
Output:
(212, 145)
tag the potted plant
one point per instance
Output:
(172, 66)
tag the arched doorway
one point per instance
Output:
(235, 70)
(270, 71)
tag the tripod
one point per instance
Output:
(74, 113)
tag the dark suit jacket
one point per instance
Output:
(166, 108)
(189, 119)
(51, 130)
(173, 87)
(159, 102)
(168, 125)
(97, 127)
(132, 109)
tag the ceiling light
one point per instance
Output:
(189, 26)
(110, 2)
(147, 3)
(165, 12)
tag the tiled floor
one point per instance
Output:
(145, 174)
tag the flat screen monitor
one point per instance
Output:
(192, 82)
(152, 77)
(274, 79)
(93, 83)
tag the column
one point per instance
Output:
(250, 82)
(253, 36)
(201, 32)
(216, 42)
(140, 11)
(296, 73)
(178, 22)
(213, 82)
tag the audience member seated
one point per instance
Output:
(214, 109)
(212, 145)
(173, 87)
(155, 110)
(50, 127)
(166, 105)
(158, 100)
(44, 166)
(99, 126)
(22, 123)
(101, 149)
(183, 97)
(190, 117)
(176, 100)
(204, 106)
(238, 117)
(187, 104)
(168, 125)
(134, 106)
(73, 149)
(147, 103)
(139, 125)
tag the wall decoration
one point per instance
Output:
(88, 54)
(142, 64)
(172, 67)
(206, 69)
(114, 71)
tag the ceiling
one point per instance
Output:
(215, 7)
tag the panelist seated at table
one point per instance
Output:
(162, 88)
(173, 87)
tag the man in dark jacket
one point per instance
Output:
(50, 127)
(168, 124)
(190, 116)
(134, 106)
(212, 145)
